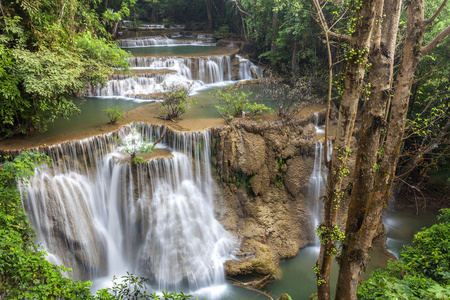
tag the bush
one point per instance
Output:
(430, 252)
(132, 287)
(222, 33)
(175, 101)
(234, 103)
(113, 114)
(290, 97)
(423, 271)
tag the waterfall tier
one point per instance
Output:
(199, 71)
(97, 215)
(164, 41)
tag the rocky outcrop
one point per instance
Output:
(263, 171)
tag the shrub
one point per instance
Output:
(423, 271)
(132, 287)
(234, 103)
(175, 101)
(222, 33)
(430, 252)
(113, 114)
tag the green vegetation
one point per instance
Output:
(135, 288)
(423, 271)
(49, 52)
(279, 179)
(113, 114)
(223, 32)
(175, 101)
(234, 103)
(242, 180)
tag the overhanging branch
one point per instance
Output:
(426, 22)
(441, 36)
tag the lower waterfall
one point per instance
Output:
(87, 218)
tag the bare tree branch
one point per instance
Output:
(439, 38)
(240, 9)
(426, 22)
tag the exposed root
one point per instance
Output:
(255, 285)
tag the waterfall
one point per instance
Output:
(318, 178)
(245, 69)
(158, 72)
(84, 209)
(164, 41)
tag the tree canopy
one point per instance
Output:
(50, 51)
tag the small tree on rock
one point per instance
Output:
(175, 101)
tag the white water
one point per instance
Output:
(85, 214)
(318, 178)
(198, 72)
(159, 41)
(245, 68)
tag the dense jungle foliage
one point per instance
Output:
(52, 49)
(423, 271)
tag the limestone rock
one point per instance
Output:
(252, 153)
(297, 174)
(261, 181)
(258, 260)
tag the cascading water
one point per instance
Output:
(178, 70)
(318, 178)
(149, 78)
(87, 216)
(162, 41)
(246, 67)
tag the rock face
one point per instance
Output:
(263, 173)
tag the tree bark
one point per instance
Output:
(365, 216)
(273, 46)
(354, 75)
(352, 260)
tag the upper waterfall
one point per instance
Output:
(88, 219)
(153, 71)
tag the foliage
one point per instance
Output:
(135, 143)
(234, 103)
(131, 287)
(423, 271)
(50, 51)
(430, 252)
(175, 101)
(113, 114)
(223, 32)
(257, 109)
(25, 274)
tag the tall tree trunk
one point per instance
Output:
(209, 14)
(381, 57)
(365, 216)
(354, 75)
(273, 46)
